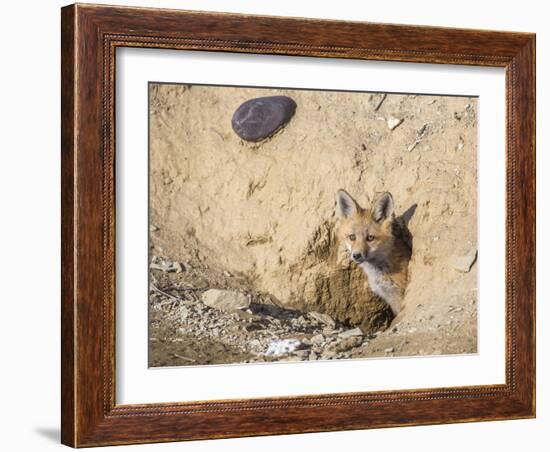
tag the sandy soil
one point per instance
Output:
(259, 219)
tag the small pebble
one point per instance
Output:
(313, 356)
(184, 312)
(318, 339)
(393, 122)
(322, 318)
(351, 333)
(465, 263)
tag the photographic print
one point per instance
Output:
(303, 225)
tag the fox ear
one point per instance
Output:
(383, 207)
(345, 204)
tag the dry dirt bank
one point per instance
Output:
(264, 214)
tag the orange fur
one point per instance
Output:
(379, 243)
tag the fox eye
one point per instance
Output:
(370, 238)
(351, 237)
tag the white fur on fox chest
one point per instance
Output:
(382, 285)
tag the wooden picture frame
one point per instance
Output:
(90, 36)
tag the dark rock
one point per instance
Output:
(259, 118)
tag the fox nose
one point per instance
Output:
(357, 256)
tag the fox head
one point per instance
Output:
(366, 233)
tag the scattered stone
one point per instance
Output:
(225, 300)
(282, 347)
(393, 122)
(313, 356)
(465, 263)
(167, 266)
(258, 119)
(351, 333)
(303, 354)
(292, 358)
(328, 354)
(176, 267)
(255, 345)
(322, 318)
(318, 339)
(389, 350)
(153, 228)
(327, 330)
(460, 145)
(184, 312)
(346, 344)
(245, 315)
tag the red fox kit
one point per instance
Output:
(379, 243)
